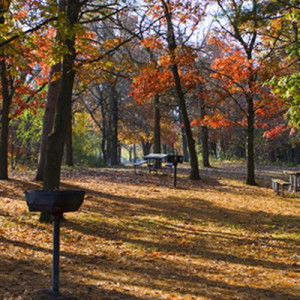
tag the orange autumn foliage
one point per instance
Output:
(158, 79)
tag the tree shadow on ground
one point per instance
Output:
(11, 187)
(26, 280)
(150, 274)
(176, 215)
(195, 209)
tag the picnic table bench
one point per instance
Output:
(294, 180)
(278, 185)
(139, 164)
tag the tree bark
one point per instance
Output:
(52, 96)
(250, 143)
(69, 145)
(6, 101)
(194, 174)
(146, 147)
(56, 139)
(204, 137)
(113, 142)
(156, 140)
(134, 153)
(104, 135)
(185, 150)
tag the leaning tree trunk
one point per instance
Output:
(6, 101)
(56, 139)
(53, 91)
(194, 174)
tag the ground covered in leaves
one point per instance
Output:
(136, 237)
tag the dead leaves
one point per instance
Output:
(137, 237)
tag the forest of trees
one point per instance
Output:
(83, 81)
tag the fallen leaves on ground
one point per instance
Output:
(137, 237)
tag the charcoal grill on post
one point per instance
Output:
(174, 159)
(55, 203)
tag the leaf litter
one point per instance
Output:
(136, 237)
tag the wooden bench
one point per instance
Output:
(278, 185)
(139, 164)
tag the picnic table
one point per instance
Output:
(154, 162)
(294, 180)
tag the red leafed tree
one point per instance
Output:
(239, 97)
(175, 70)
(243, 67)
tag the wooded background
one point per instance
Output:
(95, 81)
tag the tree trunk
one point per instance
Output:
(56, 139)
(194, 174)
(104, 135)
(185, 150)
(114, 120)
(156, 141)
(53, 91)
(134, 153)
(69, 145)
(204, 137)
(6, 101)
(146, 147)
(250, 144)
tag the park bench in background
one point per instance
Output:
(278, 185)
